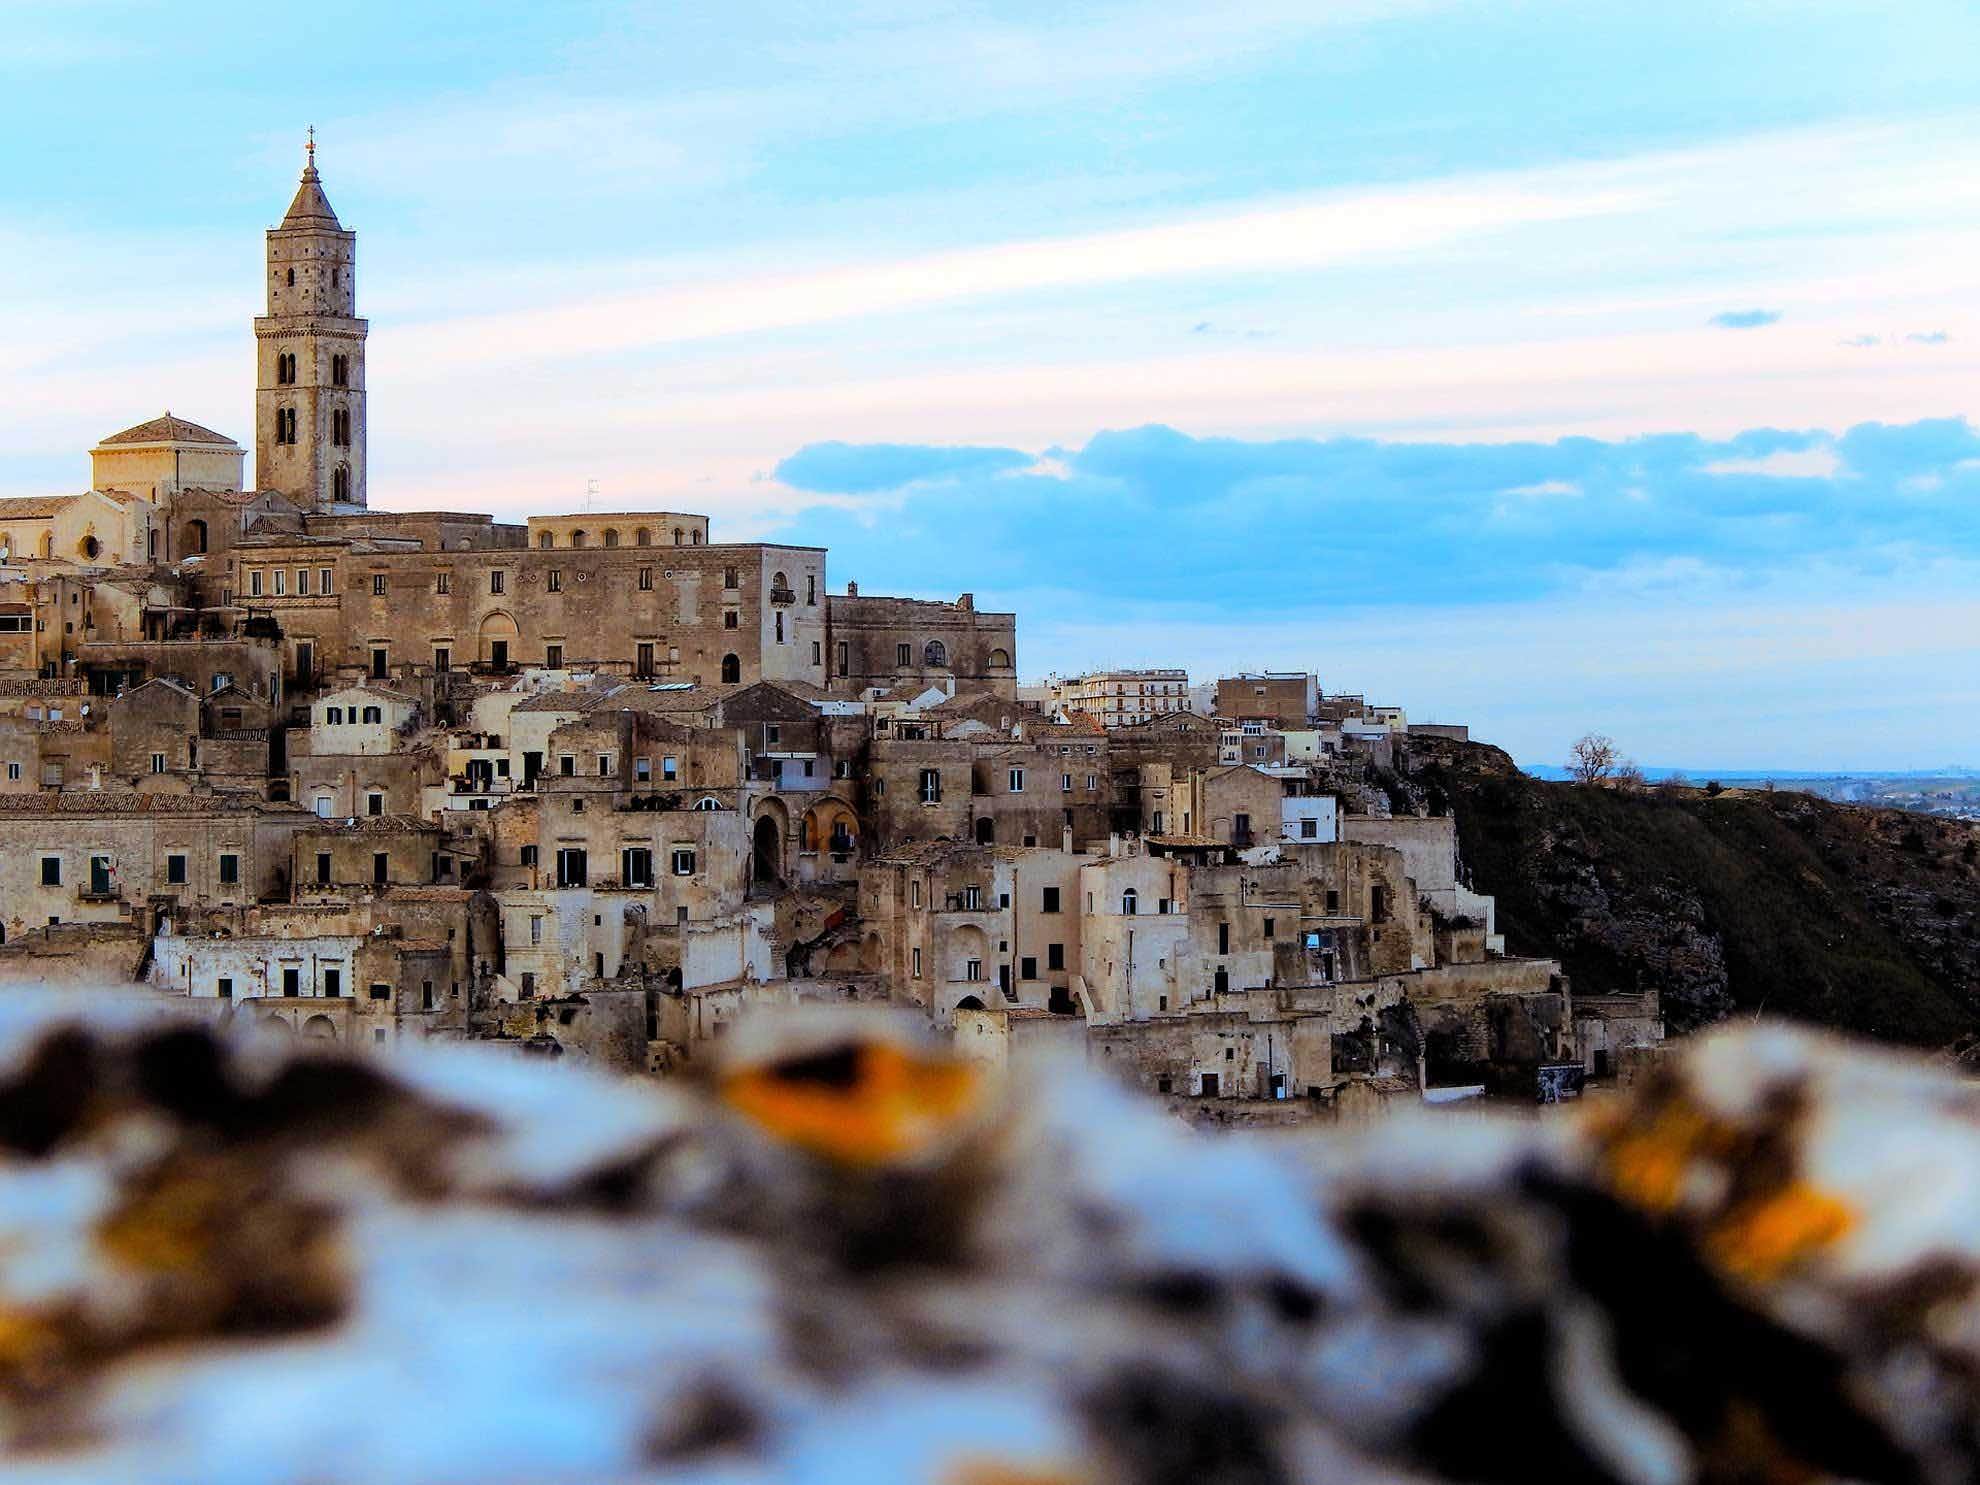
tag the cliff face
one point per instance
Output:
(1862, 919)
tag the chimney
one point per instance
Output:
(852, 590)
(1066, 840)
(967, 603)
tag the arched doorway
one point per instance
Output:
(969, 1003)
(320, 1028)
(731, 670)
(831, 826)
(498, 638)
(986, 830)
(767, 857)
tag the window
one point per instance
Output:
(780, 626)
(731, 619)
(553, 580)
(1055, 957)
(553, 657)
(175, 870)
(381, 868)
(546, 541)
(224, 987)
(340, 371)
(380, 991)
(1065, 783)
(1223, 938)
(158, 763)
(811, 589)
(1309, 829)
(254, 583)
(682, 864)
(1333, 902)
(636, 866)
(643, 660)
(340, 429)
(443, 582)
(333, 716)
(281, 582)
(443, 658)
(1049, 900)
(670, 769)
(333, 982)
(915, 956)
(340, 483)
(731, 670)
(972, 899)
(731, 578)
(528, 984)
(374, 714)
(845, 657)
(972, 969)
(1017, 781)
(931, 786)
(567, 765)
(230, 869)
(645, 579)
(13, 772)
(374, 804)
(772, 734)
(914, 892)
(302, 582)
(935, 653)
(604, 765)
(378, 585)
(572, 867)
(526, 856)
(903, 654)
(1027, 969)
(292, 980)
(1130, 902)
(51, 871)
(497, 581)
(323, 581)
(322, 868)
(1269, 925)
(379, 660)
(536, 930)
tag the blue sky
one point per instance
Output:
(1544, 366)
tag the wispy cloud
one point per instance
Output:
(1746, 319)
(1928, 337)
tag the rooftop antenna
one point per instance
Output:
(590, 493)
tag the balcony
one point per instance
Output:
(783, 597)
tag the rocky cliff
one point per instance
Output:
(1727, 901)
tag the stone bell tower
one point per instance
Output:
(309, 419)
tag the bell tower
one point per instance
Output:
(309, 418)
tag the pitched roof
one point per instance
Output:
(168, 429)
(33, 507)
(310, 211)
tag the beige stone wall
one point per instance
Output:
(978, 649)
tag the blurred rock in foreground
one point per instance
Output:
(848, 1257)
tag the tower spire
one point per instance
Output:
(309, 150)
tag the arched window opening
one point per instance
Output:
(340, 483)
(707, 802)
(577, 538)
(1130, 902)
(731, 670)
(611, 536)
(697, 538)
(546, 541)
(89, 546)
(292, 278)
(935, 653)
(678, 534)
(642, 537)
(1000, 659)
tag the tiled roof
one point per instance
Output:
(311, 208)
(168, 429)
(375, 824)
(123, 802)
(33, 507)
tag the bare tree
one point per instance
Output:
(1629, 775)
(1593, 758)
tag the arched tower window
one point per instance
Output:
(731, 670)
(340, 483)
(935, 653)
(292, 278)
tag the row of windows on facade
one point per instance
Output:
(336, 278)
(642, 537)
(931, 784)
(1055, 963)
(340, 426)
(970, 899)
(635, 870)
(102, 871)
(285, 370)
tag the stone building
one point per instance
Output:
(889, 642)
(161, 459)
(1123, 698)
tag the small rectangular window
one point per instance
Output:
(51, 871)
(302, 582)
(254, 583)
(175, 870)
(916, 955)
(497, 581)
(378, 585)
(158, 763)
(443, 582)
(683, 861)
(553, 657)
(1055, 956)
(553, 580)
(380, 990)
(903, 654)
(1017, 781)
(230, 868)
(1049, 900)
(323, 581)
(224, 988)
(646, 580)
(281, 582)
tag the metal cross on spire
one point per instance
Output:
(309, 149)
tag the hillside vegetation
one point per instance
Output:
(1740, 902)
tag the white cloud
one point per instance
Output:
(1816, 463)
